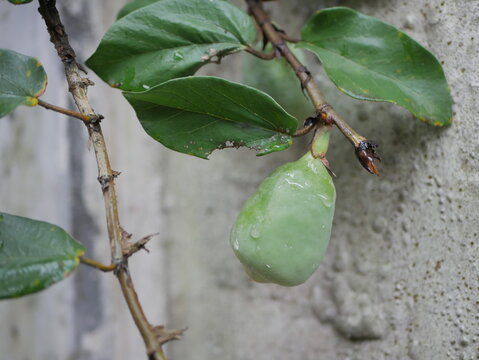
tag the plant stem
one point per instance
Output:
(365, 150)
(328, 114)
(106, 176)
(97, 265)
(67, 112)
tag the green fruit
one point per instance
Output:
(283, 230)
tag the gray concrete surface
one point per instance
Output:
(400, 278)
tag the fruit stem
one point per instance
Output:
(320, 143)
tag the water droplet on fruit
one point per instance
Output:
(235, 244)
(326, 200)
(254, 232)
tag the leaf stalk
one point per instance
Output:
(68, 112)
(97, 265)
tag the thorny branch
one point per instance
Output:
(365, 150)
(78, 88)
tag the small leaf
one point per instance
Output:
(19, 2)
(196, 115)
(132, 6)
(22, 80)
(34, 255)
(278, 80)
(169, 39)
(370, 60)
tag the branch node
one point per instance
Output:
(323, 114)
(81, 83)
(104, 181)
(121, 266)
(96, 118)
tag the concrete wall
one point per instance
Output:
(399, 281)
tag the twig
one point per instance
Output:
(324, 110)
(97, 265)
(77, 87)
(75, 114)
(288, 38)
(261, 55)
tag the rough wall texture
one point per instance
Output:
(400, 279)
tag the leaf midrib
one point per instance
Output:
(218, 117)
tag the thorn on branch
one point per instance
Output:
(366, 153)
(283, 34)
(265, 40)
(129, 248)
(304, 69)
(164, 336)
(288, 38)
(82, 69)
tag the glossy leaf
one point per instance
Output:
(22, 80)
(134, 5)
(196, 115)
(19, 2)
(370, 60)
(33, 255)
(169, 39)
(278, 80)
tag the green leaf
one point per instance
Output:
(22, 80)
(169, 39)
(132, 6)
(370, 60)
(34, 255)
(19, 2)
(278, 80)
(196, 115)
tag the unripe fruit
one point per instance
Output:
(283, 230)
